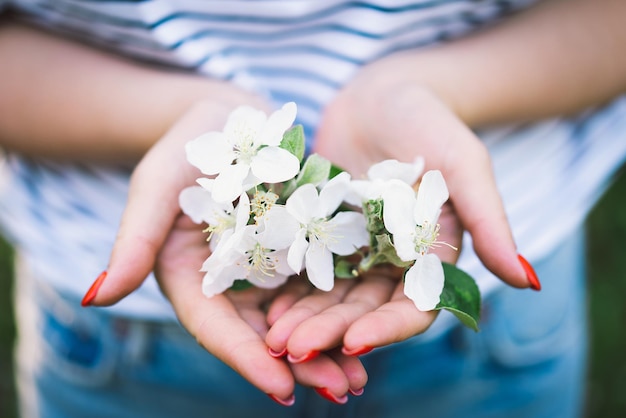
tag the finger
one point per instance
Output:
(482, 213)
(141, 235)
(329, 326)
(354, 370)
(311, 305)
(392, 322)
(150, 212)
(461, 156)
(249, 305)
(217, 325)
(295, 289)
(332, 375)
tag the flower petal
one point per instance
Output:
(264, 281)
(244, 124)
(319, 266)
(431, 195)
(275, 278)
(278, 122)
(274, 165)
(282, 265)
(198, 204)
(394, 169)
(297, 251)
(399, 200)
(303, 203)
(211, 152)
(243, 210)
(215, 282)
(333, 193)
(348, 233)
(404, 244)
(228, 184)
(279, 228)
(423, 282)
(360, 191)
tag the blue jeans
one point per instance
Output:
(528, 360)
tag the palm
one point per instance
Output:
(355, 133)
(232, 326)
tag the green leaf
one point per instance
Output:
(334, 171)
(460, 296)
(293, 141)
(315, 170)
(241, 284)
(344, 269)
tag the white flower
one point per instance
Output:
(197, 203)
(412, 220)
(321, 235)
(247, 152)
(257, 253)
(245, 256)
(379, 174)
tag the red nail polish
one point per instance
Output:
(326, 394)
(277, 354)
(308, 356)
(357, 351)
(357, 392)
(530, 273)
(93, 290)
(284, 402)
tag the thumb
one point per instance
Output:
(150, 212)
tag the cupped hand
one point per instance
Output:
(359, 314)
(232, 325)
(384, 114)
(154, 235)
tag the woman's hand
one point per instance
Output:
(384, 114)
(155, 235)
(358, 314)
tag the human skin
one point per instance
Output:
(557, 58)
(460, 86)
(61, 100)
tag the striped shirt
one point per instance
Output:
(65, 216)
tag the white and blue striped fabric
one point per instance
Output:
(65, 216)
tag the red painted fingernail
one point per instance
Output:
(308, 356)
(530, 273)
(284, 402)
(277, 354)
(357, 392)
(357, 351)
(93, 290)
(325, 393)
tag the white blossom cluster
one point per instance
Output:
(272, 214)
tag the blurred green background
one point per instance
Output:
(607, 279)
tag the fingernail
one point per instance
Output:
(357, 351)
(93, 290)
(357, 392)
(530, 273)
(308, 356)
(325, 393)
(284, 402)
(277, 354)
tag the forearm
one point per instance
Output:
(558, 58)
(61, 99)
